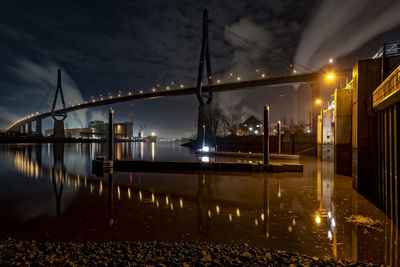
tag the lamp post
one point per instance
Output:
(204, 135)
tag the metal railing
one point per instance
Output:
(387, 88)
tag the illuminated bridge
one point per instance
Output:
(20, 125)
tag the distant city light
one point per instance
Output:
(205, 149)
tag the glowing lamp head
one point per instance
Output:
(318, 219)
(205, 149)
(330, 76)
(153, 134)
(318, 101)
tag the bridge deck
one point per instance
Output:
(291, 79)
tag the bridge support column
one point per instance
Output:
(29, 127)
(58, 131)
(23, 128)
(39, 126)
(204, 124)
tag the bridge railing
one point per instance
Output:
(388, 92)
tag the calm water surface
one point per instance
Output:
(49, 192)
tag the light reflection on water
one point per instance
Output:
(48, 192)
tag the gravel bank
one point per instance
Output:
(17, 252)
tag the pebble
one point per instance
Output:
(152, 253)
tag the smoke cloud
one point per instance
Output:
(341, 26)
(233, 102)
(37, 84)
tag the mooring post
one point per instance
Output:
(111, 134)
(266, 134)
(279, 137)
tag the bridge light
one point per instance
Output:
(119, 95)
(263, 75)
(101, 99)
(209, 77)
(141, 91)
(167, 87)
(218, 81)
(231, 74)
(154, 89)
(238, 78)
(330, 60)
(330, 76)
(172, 83)
(257, 70)
(129, 93)
(181, 86)
(318, 101)
(110, 96)
(158, 85)
(93, 100)
(294, 71)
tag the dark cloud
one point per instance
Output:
(105, 46)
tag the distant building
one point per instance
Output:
(73, 133)
(251, 126)
(121, 130)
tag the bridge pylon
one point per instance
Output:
(59, 117)
(204, 124)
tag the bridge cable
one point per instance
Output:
(260, 47)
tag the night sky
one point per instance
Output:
(106, 46)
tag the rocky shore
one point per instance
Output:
(18, 252)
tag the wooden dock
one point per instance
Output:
(177, 166)
(248, 155)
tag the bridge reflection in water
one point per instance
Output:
(316, 213)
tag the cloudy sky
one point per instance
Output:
(106, 46)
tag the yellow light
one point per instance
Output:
(317, 219)
(141, 91)
(167, 87)
(318, 101)
(218, 81)
(257, 70)
(154, 89)
(330, 76)
(129, 93)
(182, 86)
(263, 75)
(231, 74)
(238, 78)
(294, 71)
(153, 134)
